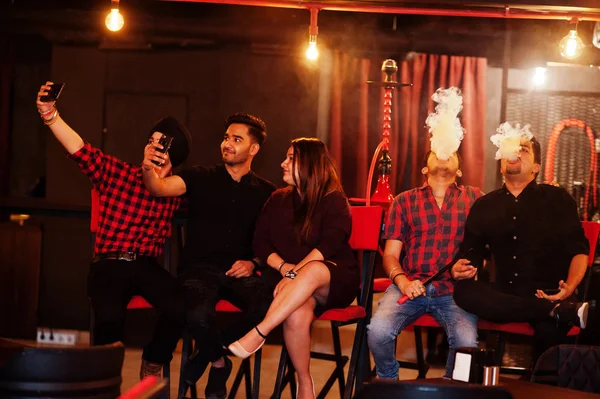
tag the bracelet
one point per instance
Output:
(50, 121)
(47, 112)
(280, 266)
(255, 263)
(392, 271)
(399, 274)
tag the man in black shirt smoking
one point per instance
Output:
(538, 245)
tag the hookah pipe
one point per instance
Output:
(383, 192)
(443, 270)
(551, 155)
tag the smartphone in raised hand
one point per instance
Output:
(53, 93)
(165, 141)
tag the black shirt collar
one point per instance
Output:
(248, 178)
(531, 188)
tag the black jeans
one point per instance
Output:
(206, 284)
(488, 302)
(112, 283)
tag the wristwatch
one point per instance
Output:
(291, 274)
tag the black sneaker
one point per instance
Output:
(216, 388)
(575, 313)
(150, 369)
(194, 368)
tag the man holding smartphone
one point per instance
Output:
(218, 261)
(133, 226)
(538, 245)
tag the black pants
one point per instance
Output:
(206, 284)
(488, 302)
(112, 283)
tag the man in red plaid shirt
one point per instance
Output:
(132, 228)
(428, 224)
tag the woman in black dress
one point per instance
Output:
(302, 234)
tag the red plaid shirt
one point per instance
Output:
(430, 235)
(130, 218)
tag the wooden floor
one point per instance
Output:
(320, 370)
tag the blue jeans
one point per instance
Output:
(390, 319)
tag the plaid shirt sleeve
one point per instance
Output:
(95, 164)
(396, 225)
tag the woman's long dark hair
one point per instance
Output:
(317, 177)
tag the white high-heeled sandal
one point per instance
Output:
(239, 351)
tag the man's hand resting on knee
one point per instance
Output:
(564, 291)
(241, 268)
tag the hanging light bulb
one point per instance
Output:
(312, 52)
(114, 20)
(571, 46)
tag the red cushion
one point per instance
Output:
(224, 306)
(512, 328)
(137, 302)
(381, 284)
(426, 320)
(350, 313)
(591, 231)
(366, 227)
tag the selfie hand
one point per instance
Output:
(44, 107)
(149, 157)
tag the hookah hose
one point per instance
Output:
(551, 155)
(371, 172)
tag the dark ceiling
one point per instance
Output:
(186, 24)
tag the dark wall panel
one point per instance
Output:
(124, 93)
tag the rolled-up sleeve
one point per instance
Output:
(98, 166)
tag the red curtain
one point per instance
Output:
(356, 127)
(6, 73)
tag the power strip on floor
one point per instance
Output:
(56, 337)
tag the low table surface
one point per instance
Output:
(523, 389)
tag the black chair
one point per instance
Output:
(419, 390)
(78, 372)
(569, 366)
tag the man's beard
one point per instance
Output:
(513, 169)
(441, 171)
(233, 160)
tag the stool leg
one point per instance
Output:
(279, 379)
(167, 374)
(422, 366)
(238, 380)
(186, 351)
(256, 383)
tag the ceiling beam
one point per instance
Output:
(447, 9)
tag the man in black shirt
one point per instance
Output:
(539, 249)
(218, 261)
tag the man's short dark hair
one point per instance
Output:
(257, 128)
(426, 158)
